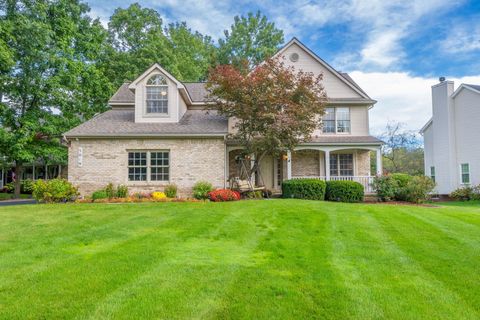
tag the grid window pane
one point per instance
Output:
(137, 166)
(341, 165)
(159, 166)
(157, 99)
(336, 120)
(343, 119)
(346, 164)
(328, 120)
(334, 165)
(432, 173)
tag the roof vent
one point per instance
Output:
(294, 57)
(441, 79)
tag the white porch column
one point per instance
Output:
(379, 162)
(289, 165)
(327, 165)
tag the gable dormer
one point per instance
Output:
(157, 97)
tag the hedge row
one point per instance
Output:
(344, 191)
(315, 189)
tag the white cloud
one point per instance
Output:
(463, 38)
(401, 97)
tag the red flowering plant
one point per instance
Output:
(224, 195)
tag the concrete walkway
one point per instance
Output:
(16, 202)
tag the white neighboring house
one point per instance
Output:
(452, 137)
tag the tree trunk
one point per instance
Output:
(18, 180)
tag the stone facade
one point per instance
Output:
(311, 162)
(306, 163)
(362, 163)
(106, 160)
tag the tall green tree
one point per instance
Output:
(249, 41)
(139, 39)
(50, 81)
(194, 53)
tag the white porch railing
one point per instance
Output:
(365, 181)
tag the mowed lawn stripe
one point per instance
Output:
(441, 255)
(94, 273)
(175, 286)
(282, 259)
(295, 270)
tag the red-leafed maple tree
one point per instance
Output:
(275, 107)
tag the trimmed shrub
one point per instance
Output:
(171, 191)
(224, 195)
(385, 187)
(311, 189)
(419, 189)
(466, 193)
(201, 190)
(401, 180)
(344, 191)
(100, 194)
(122, 191)
(158, 195)
(55, 190)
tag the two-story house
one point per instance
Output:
(451, 136)
(159, 131)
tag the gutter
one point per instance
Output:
(148, 135)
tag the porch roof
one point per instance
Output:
(334, 140)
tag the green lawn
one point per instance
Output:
(277, 259)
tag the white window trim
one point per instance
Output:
(336, 121)
(434, 176)
(156, 114)
(149, 171)
(469, 174)
(354, 164)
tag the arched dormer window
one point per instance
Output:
(157, 94)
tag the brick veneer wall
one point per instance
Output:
(106, 160)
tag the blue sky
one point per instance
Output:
(394, 49)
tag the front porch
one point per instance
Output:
(318, 162)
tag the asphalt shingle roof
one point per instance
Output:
(123, 95)
(198, 91)
(121, 123)
(339, 139)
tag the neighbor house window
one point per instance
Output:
(465, 172)
(149, 166)
(157, 94)
(336, 120)
(341, 164)
(432, 173)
